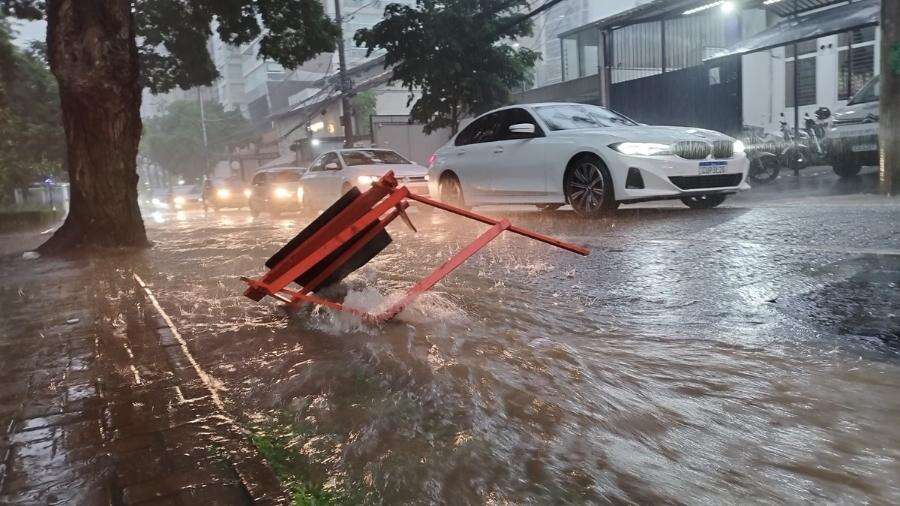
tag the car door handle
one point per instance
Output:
(460, 153)
(498, 150)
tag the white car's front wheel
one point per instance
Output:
(589, 188)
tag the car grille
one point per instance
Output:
(723, 149)
(700, 150)
(692, 150)
(413, 179)
(714, 181)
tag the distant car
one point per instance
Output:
(184, 197)
(332, 174)
(553, 154)
(275, 191)
(225, 193)
(852, 141)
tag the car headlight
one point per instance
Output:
(179, 201)
(642, 148)
(739, 147)
(366, 180)
(282, 193)
(223, 193)
(300, 193)
(426, 177)
(248, 192)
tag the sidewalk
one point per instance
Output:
(100, 403)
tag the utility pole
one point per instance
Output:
(203, 128)
(889, 115)
(345, 86)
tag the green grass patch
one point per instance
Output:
(280, 438)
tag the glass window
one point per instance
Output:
(483, 129)
(570, 58)
(318, 164)
(516, 116)
(575, 116)
(589, 52)
(372, 157)
(858, 36)
(330, 158)
(856, 66)
(805, 47)
(806, 82)
(869, 93)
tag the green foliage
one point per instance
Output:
(32, 142)
(172, 34)
(280, 439)
(456, 52)
(363, 108)
(174, 140)
(894, 59)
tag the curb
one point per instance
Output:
(256, 475)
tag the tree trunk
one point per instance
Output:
(889, 117)
(94, 57)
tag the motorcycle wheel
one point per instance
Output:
(796, 158)
(764, 168)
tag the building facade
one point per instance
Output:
(617, 53)
(561, 18)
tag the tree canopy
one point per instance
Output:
(32, 141)
(174, 140)
(172, 34)
(460, 54)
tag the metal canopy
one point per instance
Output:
(816, 24)
(656, 10)
(785, 8)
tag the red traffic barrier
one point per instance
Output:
(350, 233)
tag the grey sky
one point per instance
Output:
(28, 31)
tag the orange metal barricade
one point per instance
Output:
(350, 232)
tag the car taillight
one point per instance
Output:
(431, 160)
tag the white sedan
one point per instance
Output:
(554, 154)
(334, 173)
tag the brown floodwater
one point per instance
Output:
(747, 354)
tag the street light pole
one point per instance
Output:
(345, 85)
(889, 101)
(203, 128)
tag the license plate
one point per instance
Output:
(709, 168)
(864, 147)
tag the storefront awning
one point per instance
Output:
(816, 24)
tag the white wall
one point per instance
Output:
(764, 84)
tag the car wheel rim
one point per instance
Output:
(586, 187)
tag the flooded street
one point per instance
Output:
(747, 353)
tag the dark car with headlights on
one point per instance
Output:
(225, 193)
(275, 191)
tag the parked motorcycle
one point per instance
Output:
(761, 149)
(807, 148)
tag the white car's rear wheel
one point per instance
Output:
(588, 187)
(450, 191)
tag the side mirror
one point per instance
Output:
(522, 128)
(332, 166)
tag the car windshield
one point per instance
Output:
(869, 93)
(286, 176)
(575, 116)
(372, 157)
